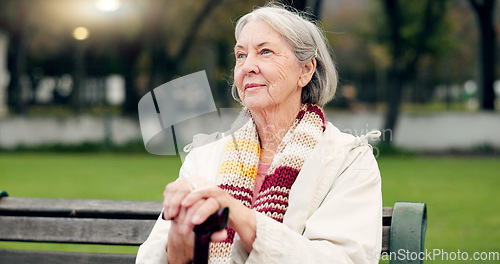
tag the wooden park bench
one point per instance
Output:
(110, 222)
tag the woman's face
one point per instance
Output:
(266, 74)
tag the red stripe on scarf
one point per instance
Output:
(283, 176)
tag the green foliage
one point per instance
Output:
(412, 14)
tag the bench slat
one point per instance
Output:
(386, 211)
(80, 208)
(75, 230)
(46, 257)
(386, 231)
(387, 216)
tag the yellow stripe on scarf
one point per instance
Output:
(243, 144)
(246, 170)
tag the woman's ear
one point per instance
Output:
(308, 70)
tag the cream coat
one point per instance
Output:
(334, 213)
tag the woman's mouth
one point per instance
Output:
(252, 86)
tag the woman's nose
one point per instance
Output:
(251, 65)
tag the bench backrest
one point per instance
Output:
(111, 222)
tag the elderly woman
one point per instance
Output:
(298, 190)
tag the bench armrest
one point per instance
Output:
(409, 223)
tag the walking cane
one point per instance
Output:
(202, 233)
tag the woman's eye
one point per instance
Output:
(240, 56)
(266, 51)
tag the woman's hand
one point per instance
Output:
(204, 202)
(173, 195)
(181, 236)
(180, 245)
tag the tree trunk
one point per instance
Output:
(17, 63)
(129, 106)
(317, 9)
(165, 67)
(395, 78)
(484, 14)
(311, 6)
(78, 76)
(403, 67)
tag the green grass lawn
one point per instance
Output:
(85, 176)
(462, 194)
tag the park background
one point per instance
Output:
(422, 72)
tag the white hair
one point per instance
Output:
(307, 42)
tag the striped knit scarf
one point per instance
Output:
(240, 159)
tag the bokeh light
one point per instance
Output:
(108, 5)
(80, 33)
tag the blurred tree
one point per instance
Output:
(79, 75)
(412, 25)
(164, 65)
(313, 7)
(161, 41)
(152, 47)
(15, 20)
(129, 55)
(484, 10)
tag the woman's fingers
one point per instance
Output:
(190, 208)
(196, 214)
(173, 195)
(180, 218)
(216, 198)
(187, 225)
(201, 213)
(193, 197)
(219, 236)
(180, 244)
